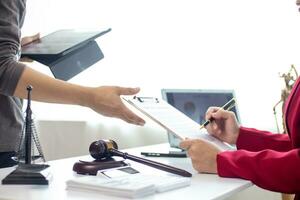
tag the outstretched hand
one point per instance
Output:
(106, 101)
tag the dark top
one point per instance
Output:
(12, 14)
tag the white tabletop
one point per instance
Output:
(203, 186)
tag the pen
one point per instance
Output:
(230, 104)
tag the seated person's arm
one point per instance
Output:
(255, 140)
(271, 170)
(224, 126)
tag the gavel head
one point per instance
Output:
(101, 149)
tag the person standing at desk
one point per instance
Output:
(271, 161)
(16, 76)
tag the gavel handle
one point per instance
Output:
(152, 163)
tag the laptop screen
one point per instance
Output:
(194, 103)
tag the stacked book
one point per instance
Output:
(130, 186)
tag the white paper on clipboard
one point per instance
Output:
(173, 120)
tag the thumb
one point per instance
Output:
(29, 39)
(185, 144)
(128, 91)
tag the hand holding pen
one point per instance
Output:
(228, 106)
(222, 123)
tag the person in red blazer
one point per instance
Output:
(270, 161)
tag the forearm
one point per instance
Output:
(47, 89)
(256, 140)
(271, 170)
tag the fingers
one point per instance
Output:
(210, 111)
(214, 129)
(127, 90)
(26, 59)
(221, 114)
(217, 113)
(194, 147)
(210, 129)
(185, 144)
(202, 154)
(132, 118)
(29, 39)
(127, 114)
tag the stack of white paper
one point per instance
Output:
(131, 186)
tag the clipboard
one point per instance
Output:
(172, 120)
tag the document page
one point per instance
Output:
(130, 186)
(173, 120)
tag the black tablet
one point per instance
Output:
(66, 52)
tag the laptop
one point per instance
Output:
(66, 52)
(195, 102)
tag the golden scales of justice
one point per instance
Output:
(289, 79)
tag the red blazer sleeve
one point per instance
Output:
(254, 140)
(269, 169)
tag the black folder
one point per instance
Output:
(66, 52)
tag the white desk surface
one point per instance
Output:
(203, 186)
